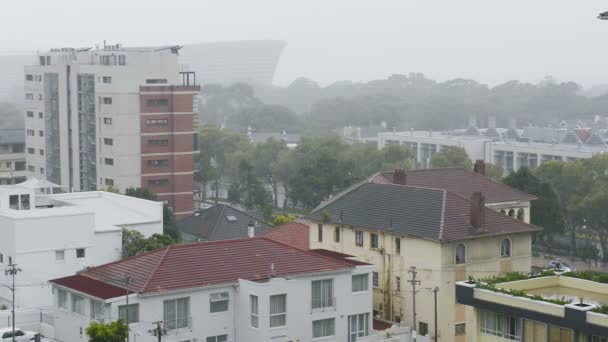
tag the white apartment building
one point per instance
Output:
(249, 290)
(114, 116)
(12, 156)
(54, 235)
(510, 154)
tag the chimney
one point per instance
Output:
(478, 215)
(251, 229)
(480, 167)
(399, 177)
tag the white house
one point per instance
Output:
(249, 290)
(55, 235)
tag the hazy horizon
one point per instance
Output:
(490, 42)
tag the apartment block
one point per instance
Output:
(113, 117)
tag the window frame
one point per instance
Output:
(398, 245)
(374, 241)
(254, 311)
(359, 238)
(325, 300)
(504, 255)
(353, 282)
(319, 232)
(337, 234)
(175, 321)
(456, 252)
(331, 327)
(220, 297)
(82, 252)
(272, 314)
(130, 312)
(375, 280)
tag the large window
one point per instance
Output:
(358, 326)
(322, 293)
(460, 254)
(253, 309)
(77, 304)
(278, 310)
(500, 325)
(505, 248)
(359, 238)
(360, 282)
(62, 299)
(177, 313)
(97, 312)
(218, 302)
(373, 240)
(324, 327)
(129, 313)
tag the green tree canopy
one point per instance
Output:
(452, 157)
(111, 332)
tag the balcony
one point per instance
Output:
(323, 304)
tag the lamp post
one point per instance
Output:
(12, 271)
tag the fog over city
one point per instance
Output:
(489, 41)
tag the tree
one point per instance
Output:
(116, 331)
(281, 219)
(134, 242)
(452, 157)
(169, 227)
(495, 172)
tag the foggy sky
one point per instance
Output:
(491, 41)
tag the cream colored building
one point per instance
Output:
(444, 235)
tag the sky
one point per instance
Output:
(330, 40)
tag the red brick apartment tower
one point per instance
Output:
(168, 144)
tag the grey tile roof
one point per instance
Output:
(221, 222)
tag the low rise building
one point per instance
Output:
(252, 289)
(551, 308)
(53, 235)
(12, 156)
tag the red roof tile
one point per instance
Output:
(460, 182)
(91, 286)
(294, 234)
(208, 263)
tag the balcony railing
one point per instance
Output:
(323, 304)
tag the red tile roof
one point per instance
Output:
(380, 325)
(339, 256)
(90, 286)
(204, 264)
(294, 234)
(460, 182)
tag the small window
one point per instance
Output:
(109, 182)
(521, 214)
(108, 141)
(41, 151)
(60, 255)
(29, 77)
(122, 60)
(1, 258)
(80, 253)
(253, 307)
(158, 163)
(107, 100)
(337, 234)
(459, 328)
(62, 299)
(397, 283)
(156, 81)
(373, 240)
(41, 170)
(460, 254)
(218, 302)
(320, 232)
(158, 142)
(360, 282)
(157, 102)
(278, 310)
(397, 245)
(41, 133)
(157, 122)
(375, 280)
(29, 96)
(129, 313)
(158, 182)
(107, 79)
(30, 133)
(505, 248)
(108, 161)
(423, 328)
(107, 121)
(40, 115)
(40, 97)
(324, 327)
(359, 238)
(31, 168)
(10, 260)
(218, 338)
(511, 212)
(29, 114)
(31, 150)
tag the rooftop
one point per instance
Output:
(203, 264)
(294, 234)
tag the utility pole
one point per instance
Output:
(435, 290)
(12, 271)
(414, 282)
(127, 279)
(158, 331)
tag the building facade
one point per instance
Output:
(113, 117)
(254, 296)
(54, 235)
(12, 156)
(428, 235)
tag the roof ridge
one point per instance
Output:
(162, 258)
(442, 224)
(342, 193)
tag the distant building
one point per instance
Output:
(362, 134)
(248, 290)
(291, 140)
(54, 235)
(113, 117)
(12, 156)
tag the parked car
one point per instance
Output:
(6, 335)
(559, 267)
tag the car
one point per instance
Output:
(6, 335)
(559, 267)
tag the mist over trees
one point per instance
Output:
(11, 117)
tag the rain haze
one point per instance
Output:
(489, 41)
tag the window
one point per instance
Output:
(156, 81)
(505, 248)
(278, 310)
(460, 254)
(29, 77)
(337, 234)
(41, 170)
(511, 212)
(1, 258)
(324, 327)
(397, 245)
(62, 299)
(24, 201)
(108, 161)
(107, 100)
(60, 255)
(359, 238)
(157, 102)
(77, 304)
(10, 260)
(521, 214)
(130, 313)
(397, 283)
(29, 114)
(322, 293)
(80, 253)
(122, 60)
(218, 302)
(558, 334)
(41, 133)
(358, 326)
(157, 122)
(31, 168)
(108, 141)
(158, 182)
(375, 280)
(30, 133)
(13, 202)
(218, 338)
(320, 232)
(107, 79)
(29, 96)
(109, 182)
(158, 142)
(158, 163)
(31, 150)
(373, 240)
(40, 115)
(97, 312)
(423, 328)
(253, 310)
(459, 328)
(500, 325)
(19, 166)
(177, 313)
(360, 282)
(107, 121)
(39, 97)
